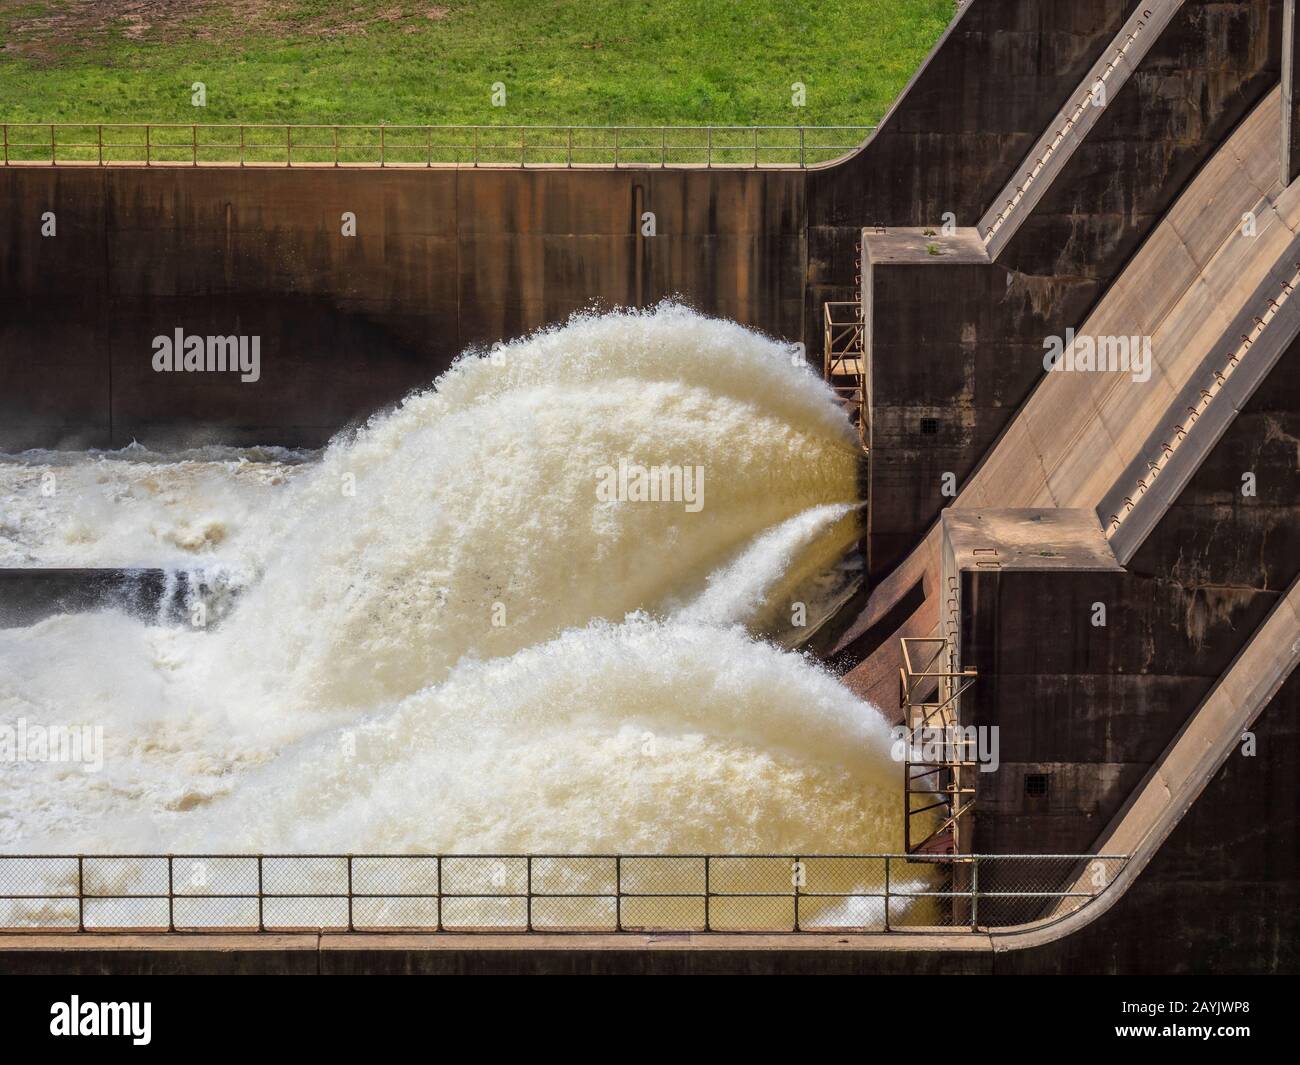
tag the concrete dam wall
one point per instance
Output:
(441, 260)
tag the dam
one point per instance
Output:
(387, 684)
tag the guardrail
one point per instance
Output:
(177, 144)
(542, 893)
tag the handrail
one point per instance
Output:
(403, 145)
(603, 893)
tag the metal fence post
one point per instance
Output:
(261, 916)
(351, 927)
(708, 159)
(801, 149)
(568, 158)
(381, 146)
(476, 146)
(886, 892)
(241, 145)
(148, 144)
(171, 897)
(101, 145)
(6, 129)
(707, 896)
(439, 861)
(194, 144)
(529, 890)
(618, 893)
(81, 894)
(54, 161)
(974, 894)
(798, 871)
(288, 146)
(755, 147)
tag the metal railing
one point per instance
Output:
(942, 775)
(541, 893)
(844, 359)
(177, 144)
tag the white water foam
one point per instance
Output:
(450, 643)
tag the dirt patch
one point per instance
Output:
(40, 31)
(357, 22)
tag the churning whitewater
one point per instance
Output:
(459, 629)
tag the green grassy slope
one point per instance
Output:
(597, 62)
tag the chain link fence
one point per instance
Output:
(543, 893)
(214, 144)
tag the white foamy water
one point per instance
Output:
(448, 641)
(137, 508)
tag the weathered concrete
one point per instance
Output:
(966, 120)
(1069, 129)
(955, 352)
(1091, 704)
(487, 954)
(1093, 707)
(87, 954)
(442, 260)
(1221, 890)
(1078, 433)
(1009, 539)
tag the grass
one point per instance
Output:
(581, 62)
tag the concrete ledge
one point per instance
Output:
(91, 954)
(1011, 538)
(916, 245)
(657, 955)
(487, 953)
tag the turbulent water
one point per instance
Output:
(450, 639)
